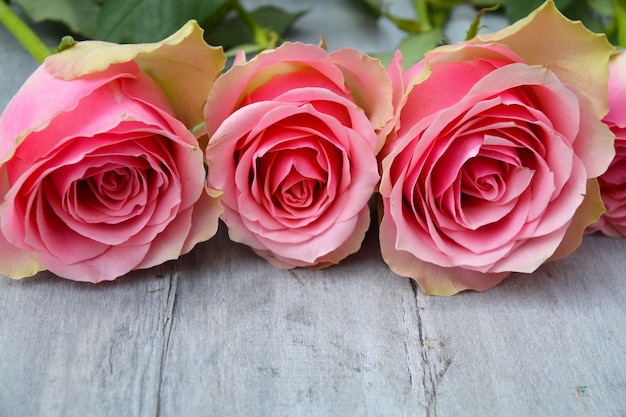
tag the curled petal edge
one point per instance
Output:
(183, 65)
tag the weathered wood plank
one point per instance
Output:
(220, 332)
(548, 344)
(248, 339)
(75, 349)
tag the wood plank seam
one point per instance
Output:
(165, 321)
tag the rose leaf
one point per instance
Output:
(233, 31)
(80, 16)
(140, 21)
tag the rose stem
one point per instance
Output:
(262, 36)
(23, 33)
(620, 18)
(422, 15)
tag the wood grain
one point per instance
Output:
(222, 333)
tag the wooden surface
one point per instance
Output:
(222, 333)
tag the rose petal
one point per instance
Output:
(570, 48)
(117, 261)
(241, 80)
(25, 112)
(370, 86)
(183, 55)
(432, 279)
(17, 263)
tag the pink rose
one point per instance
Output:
(293, 140)
(492, 163)
(613, 181)
(99, 173)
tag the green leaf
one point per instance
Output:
(233, 31)
(582, 11)
(276, 19)
(407, 25)
(619, 37)
(516, 9)
(451, 3)
(373, 6)
(602, 7)
(415, 46)
(138, 21)
(485, 3)
(446, 4)
(80, 16)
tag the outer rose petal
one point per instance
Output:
(17, 263)
(588, 212)
(205, 220)
(359, 76)
(370, 86)
(100, 268)
(348, 247)
(182, 56)
(617, 91)
(32, 108)
(527, 38)
(613, 181)
(401, 85)
(536, 40)
(242, 79)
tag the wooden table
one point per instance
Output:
(220, 332)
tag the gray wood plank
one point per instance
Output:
(220, 332)
(248, 339)
(548, 344)
(75, 349)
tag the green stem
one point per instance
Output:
(23, 33)
(620, 18)
(475, 25)
(422, 15)
(259, 34)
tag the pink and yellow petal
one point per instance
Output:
(578, 56)
(587, 213)
(369, 84)
(183, 65)
(17, 263)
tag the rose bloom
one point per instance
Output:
(492, 163)
(99, 173)
(613, 181)
(294, 135)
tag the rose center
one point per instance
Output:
(113, 183)
(108, 193)
(296, 190)
(291, 178)
(483, 178)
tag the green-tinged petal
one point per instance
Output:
(184, 65)
(578, 56)
(587, 213)
(17, 263)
